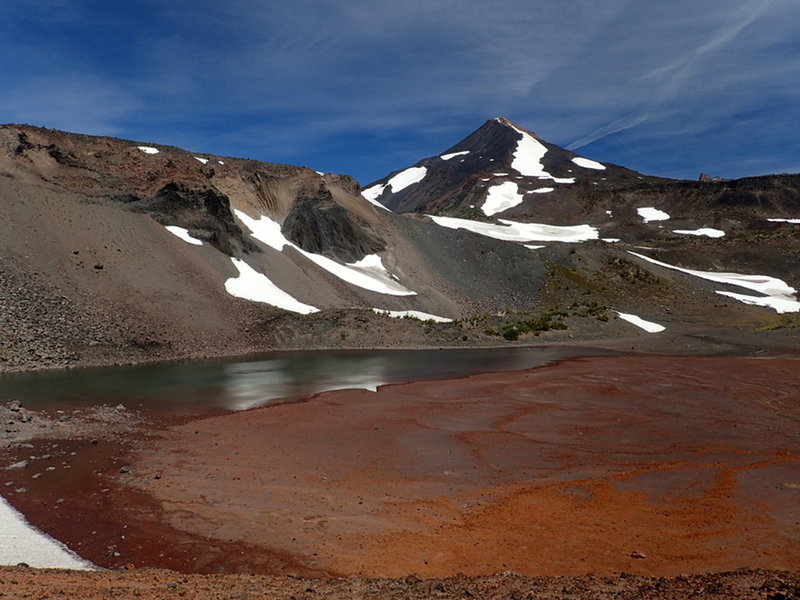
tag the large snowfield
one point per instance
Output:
(706, 231)
(649, 213)
(512, 231)
(368, 273)
(778, 295)
(397, 183)
(255, 286)
(528, 159)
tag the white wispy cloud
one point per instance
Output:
(661, 84)
(281, 81)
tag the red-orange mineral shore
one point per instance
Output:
(646, 465)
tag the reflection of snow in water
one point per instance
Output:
(194, 387)
(252, 384)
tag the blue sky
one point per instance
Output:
(369, 86)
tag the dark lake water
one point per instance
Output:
(205, 385)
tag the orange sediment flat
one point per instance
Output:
(638, 464)
(657, 465)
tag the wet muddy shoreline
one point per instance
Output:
(651, 465)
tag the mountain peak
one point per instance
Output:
(506, 122)
(498, 153)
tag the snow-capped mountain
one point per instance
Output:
(506, 183)
(496, 168)
(114, 250)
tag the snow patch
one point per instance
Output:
(706, 231)
(148, 149)
(453, 155)
(21, 542)
(406, 178)
(794, 221)
(777, 293)
(778, 304)
(397, 183)
(499, 174)
(610, 240)
(512, 231)
(423, 316)
(255, 286)
(373, 193)
(533, 247)
(648, 326)
(202, 160)
(588, 164)
(648, 213)
(184, 235)
(543, 190)
(368, 273)
(265, 230)
(501, 197)
(528, 158)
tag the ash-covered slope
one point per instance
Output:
(113, 250)
(118, 250)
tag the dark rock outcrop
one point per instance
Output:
(317, 224)
(205, 212)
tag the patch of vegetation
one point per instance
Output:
(590, 309)
(760, 235)
(544, 323)
(631, 272)
(571, 274)
(784, 321)
(474, 319)
(415, 318)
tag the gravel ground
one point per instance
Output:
(24, 583)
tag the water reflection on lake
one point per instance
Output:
(203, 385)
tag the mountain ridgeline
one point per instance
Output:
(117, 251)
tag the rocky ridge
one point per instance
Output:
(91, 274)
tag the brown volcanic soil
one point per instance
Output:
(655, 466)
(22, 584)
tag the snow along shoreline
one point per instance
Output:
(21, 542)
